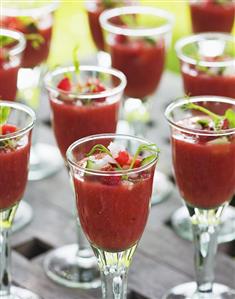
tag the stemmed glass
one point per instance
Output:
(212, 16)
(76, 115)
(204, 164)
(137, 38)
(16, 123)
(113, 216)
(94, 9)
(207, 63)
(12, 46)
(35, 20)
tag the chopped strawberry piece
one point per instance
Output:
(8, 129)
(121, 39)
(65, 84)
(122, 158)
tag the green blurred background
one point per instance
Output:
(71, 28)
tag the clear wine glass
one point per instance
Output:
(113, 208)
(137, 38)
(35, 20)
(94, 9)
(76, 115)
(204, 165)
(12, 46)
(16, 123)
(207, 63)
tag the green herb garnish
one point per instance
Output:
(75, 59)
(36, 39)
(6, 40)
(150, 40)
(217, 119)
(108, 3)
(4, 114)
(222, 1)
(203, 122)
(129, 20)
(145, 147)
(230, 116)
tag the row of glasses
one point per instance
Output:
(207, 63)
(76, 114)
(137, 39)
(35, 21)
(13, 45)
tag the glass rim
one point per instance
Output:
(45, 8)
(16, 35)
(110, 13)
(184, 100)
(107, 93)
(200, 37)
(21, 107)
(69, 155)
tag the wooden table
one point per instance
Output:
(162, 260)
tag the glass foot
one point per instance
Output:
(162, 188)
(65, 267)
(24, 215)
(45, 160)
(188, 291)
(182, 226)
(20, 293)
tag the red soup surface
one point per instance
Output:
(205, 171)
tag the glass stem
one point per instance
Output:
(205, 231)
(114, 270)
(5, 252)
(114, 285)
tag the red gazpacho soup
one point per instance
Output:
(219, 81)
(113, 209)
(212, 16)
(141, 60)
(14, 157)
(205, 164)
